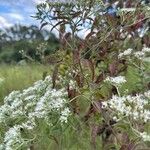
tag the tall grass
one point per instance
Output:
(19, 77)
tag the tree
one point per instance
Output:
(25, 38)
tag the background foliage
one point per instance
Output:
(20, 38)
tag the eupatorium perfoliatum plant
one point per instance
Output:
(100, 85)
(23, 111)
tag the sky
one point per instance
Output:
(17, 12)
(20, 12)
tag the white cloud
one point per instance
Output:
(12, 16)
(19, 11)
(4, 23)
(16, 16)
(26, 3)
(38, 1)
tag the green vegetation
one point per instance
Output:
(20, 77)
(19, 42)
(97, 92)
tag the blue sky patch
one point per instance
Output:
(17, 12)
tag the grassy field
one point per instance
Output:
(19, 77)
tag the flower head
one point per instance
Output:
(125, 53)
(116, 80)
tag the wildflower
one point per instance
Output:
(125, 53)
(147, 94)
(115, 118)
(37, 101)
(133, 106)
(139, 54)
(146, 49)
(51, 100)
(72, 84)
(13, 138)
(145, 136)
(30, 123)
(123, 34)
(64, 115)
(116, 80)
(104, 104)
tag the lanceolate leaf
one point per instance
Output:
(56, 25)
(44, 24)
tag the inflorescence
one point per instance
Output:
(39, 101)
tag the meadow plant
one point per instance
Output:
(101, 81)
(21, 109)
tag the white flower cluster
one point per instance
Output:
(142, 54)
(72, 84)
(51, 101)
(116, 81)
(147, 94)
(145, 136)
(133, 106)
(146, 49)
(125, 53)
(64, 115)
(13, 138)
(38, 101)
(139, 54)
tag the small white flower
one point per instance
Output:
(124, 34)
(145, 136)
(146, 49)
(133, 106)
(147, 94)
(115, 118)
(29, 125)
(13, 138)
(72, 84)
(104, 104)
(64, 115)
(116, 80)
(125, 53)
(139, 54)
